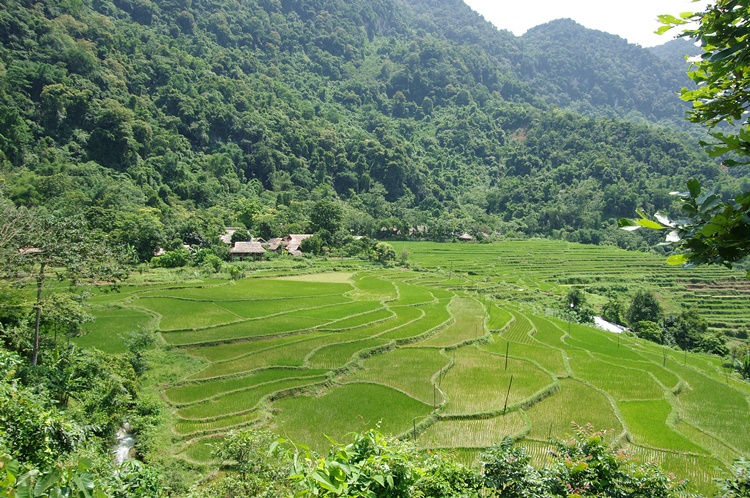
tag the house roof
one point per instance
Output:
(273, 244)
(294, 240)
(247, 248)
(465, 236)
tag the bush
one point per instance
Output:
(172, 259)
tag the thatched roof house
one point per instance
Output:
(293, 241)
(247, 249)
(465, 237)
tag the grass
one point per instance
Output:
(409, 370)
(252, 288)
(468, 325)
(478, 383)
(252, 329)
(548, 358)
(472, 433)
(337, 355)
(349, 408)
(577, 403)
(647, 424)
(197, 427)
(110, 324)
(240, 401)
(191, 393)
(185, 314)
(293, 331)
(621, 382)
(418, 320)
(291, 355)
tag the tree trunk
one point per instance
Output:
(39, 283)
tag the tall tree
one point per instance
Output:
(61, 247)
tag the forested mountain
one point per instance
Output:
(411, 112)
(599, 74)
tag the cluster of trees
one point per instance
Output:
(687, 330)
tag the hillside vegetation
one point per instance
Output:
(411, 113)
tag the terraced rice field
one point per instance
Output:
(454, 358)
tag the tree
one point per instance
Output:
(66, 248)
(384, 253)
(326, 215)
(644, 307)
(614, 311)
(141, 230)
(577, 308)
(713, 231)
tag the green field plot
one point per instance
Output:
(468, 315)
(520, 330)
(478, 382)
(408, 331)
(548, 358)
(716, 408)
(334, 314)
(498, 318)
(621, 383)
(255, 288)
(337, 355)
(409, 295)
(577, 403)
(110, 324)
(700, 471)
(601, 342)
(662, 374)
(647, 424)
(547, 332)
(371, 287)
(200, 450)
(409, 370)
(472, 433)
(265, 307)
(379, 315)
(178, 314)
(254, 328)
(419, 320)
(353, 407)
(193, 427)
(194, 392)
(224, 352)
(293, 354)
(240, 401)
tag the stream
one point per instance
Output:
(125, 443)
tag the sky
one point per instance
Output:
(634, 20)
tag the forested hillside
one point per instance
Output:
(411, 112)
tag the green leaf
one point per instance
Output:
(649, 224)
(670, 19)
(627, 224)
(694, 186)
(677, 259)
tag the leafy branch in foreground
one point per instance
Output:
(710, 232)
(713, 231)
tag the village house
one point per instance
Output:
(293, 241)
(244, 250)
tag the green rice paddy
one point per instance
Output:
(463, 351)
